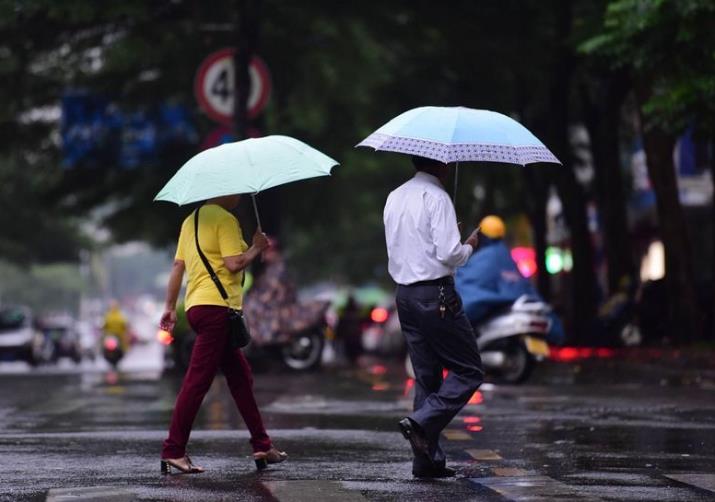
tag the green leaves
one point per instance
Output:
(669, 46)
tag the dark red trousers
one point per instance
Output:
(210, 354)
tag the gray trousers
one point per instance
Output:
(435, 343)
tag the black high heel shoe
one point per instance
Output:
(187, 468)
(272, 456)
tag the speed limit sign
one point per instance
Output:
(214, 86)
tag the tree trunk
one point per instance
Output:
(571, 193)
(712, 264)
(602, 116)
(684, 315)
(538, 191)
(536, 178)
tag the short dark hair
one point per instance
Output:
(424, 162)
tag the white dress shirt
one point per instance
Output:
(423, 241)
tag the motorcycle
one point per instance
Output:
(112, 349)
(300, 351)
(512, 341)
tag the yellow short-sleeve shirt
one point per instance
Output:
(219, 236)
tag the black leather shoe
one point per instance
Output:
(419, 443)
(437, 472)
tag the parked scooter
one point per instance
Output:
(299, 350)
(280, 323)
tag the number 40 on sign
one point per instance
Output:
(214, 86)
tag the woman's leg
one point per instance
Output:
(240, 381)
(211, 326)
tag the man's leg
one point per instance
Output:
(427, 370)
(211, 327)
(453, 341)
(239, 377)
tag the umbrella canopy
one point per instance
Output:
(247, 166)
(459, 134)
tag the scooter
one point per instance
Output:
(299, 351)
(511, 342)
(112, 349)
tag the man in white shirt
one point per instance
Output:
(424, 248)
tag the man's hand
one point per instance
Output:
(168, 320)
(473, 239)
(260, 241)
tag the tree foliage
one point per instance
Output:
(339, 71)
(672, 45)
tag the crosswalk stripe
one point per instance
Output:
(509, 471)
(703, 480)
(530, 488)
(311, 491)
(484, 454)
(90, 493)
(456, 435)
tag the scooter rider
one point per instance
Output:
(115, 324)
(491, 280)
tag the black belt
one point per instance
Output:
(447, 280)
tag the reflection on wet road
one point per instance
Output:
(596, 431)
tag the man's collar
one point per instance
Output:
(429, 178)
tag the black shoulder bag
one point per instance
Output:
(238, 335)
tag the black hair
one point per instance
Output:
(421, 163)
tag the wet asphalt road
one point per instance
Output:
(603, 430)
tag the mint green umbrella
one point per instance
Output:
(245, 167)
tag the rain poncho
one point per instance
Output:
(272, 308)
(491, 280)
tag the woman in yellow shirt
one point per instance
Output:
(222, 243)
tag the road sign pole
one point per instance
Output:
(247, 38)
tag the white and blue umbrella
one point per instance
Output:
(459, 134)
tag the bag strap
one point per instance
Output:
(208, 266)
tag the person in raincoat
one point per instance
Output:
(115, 324)
(491, 280)
(271, 306)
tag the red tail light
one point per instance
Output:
(379, 315)
(111, 343)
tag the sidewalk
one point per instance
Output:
(660, 366)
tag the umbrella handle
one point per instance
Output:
(456, 180)
(255, 210)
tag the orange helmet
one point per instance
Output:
(492, 227)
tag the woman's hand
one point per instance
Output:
(168, 320)
(260, 241)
